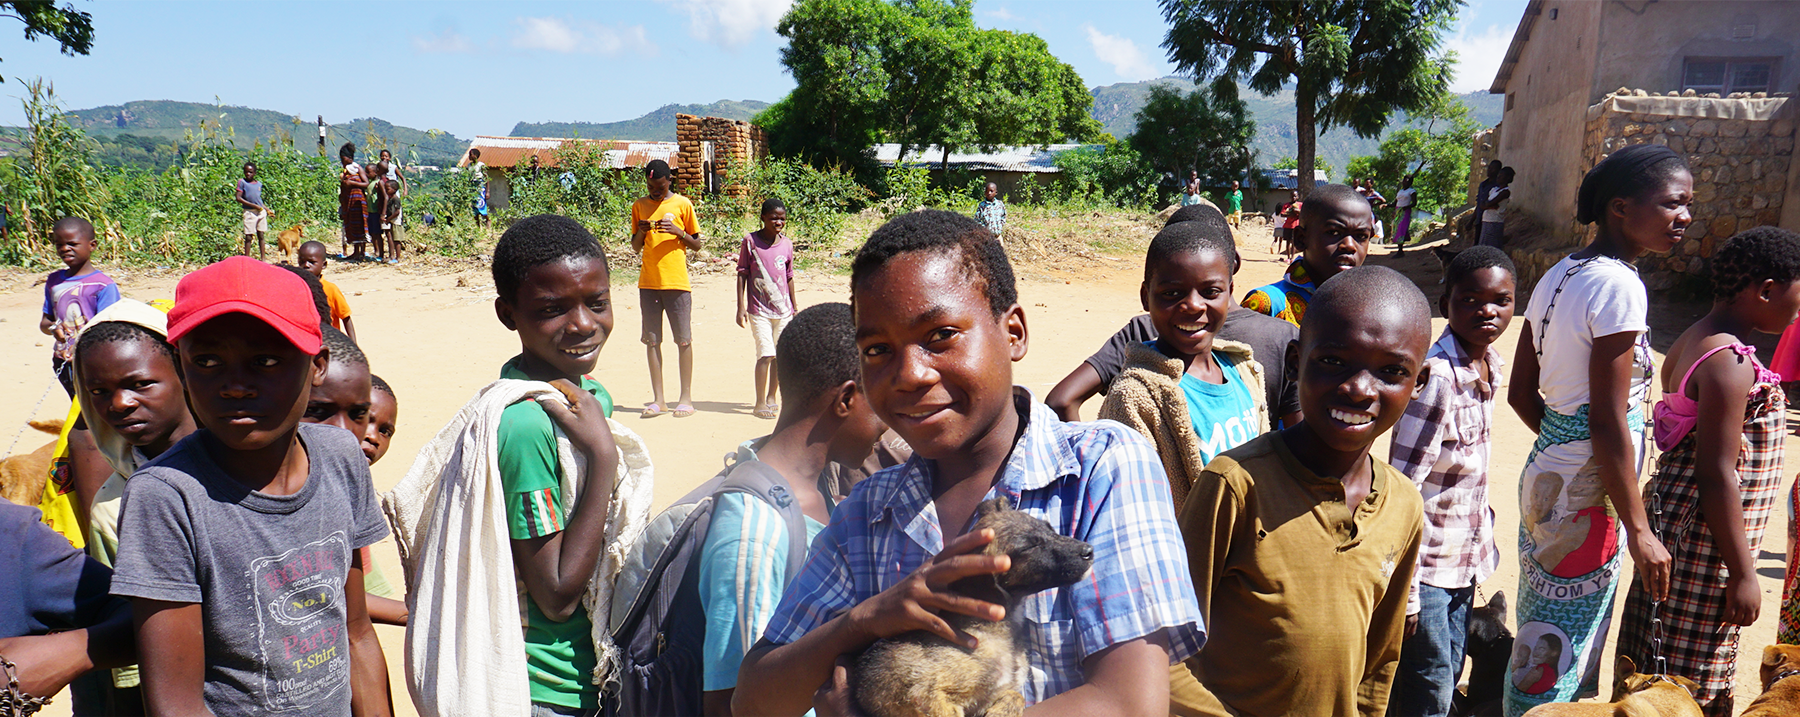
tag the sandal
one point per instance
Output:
(765, 412)
(652, 410)
(683, 411)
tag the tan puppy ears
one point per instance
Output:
(1772, 655)
(1624, 667)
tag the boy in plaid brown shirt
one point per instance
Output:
(1441, 443)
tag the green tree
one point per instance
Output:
(919, 73)
(1434, 148)
(72, 29)
(1351, 62)
(834, 53)
(1207, 130)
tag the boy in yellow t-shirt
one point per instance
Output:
(665, 229)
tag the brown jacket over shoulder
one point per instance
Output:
(1147, 396)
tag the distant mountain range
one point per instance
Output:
(657, 126)
(171, 121)
(1115, 106)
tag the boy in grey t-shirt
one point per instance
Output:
(238, 546)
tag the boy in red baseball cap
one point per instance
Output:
(238, 546)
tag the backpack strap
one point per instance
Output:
(758, 479)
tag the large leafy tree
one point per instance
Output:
(919, 73)
(72, 29)
(1433, 148)
(1352, 63)
(1207, 130)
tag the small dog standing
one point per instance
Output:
(290, 238)
(1781, 693)
(1489, 647)
(920, 674)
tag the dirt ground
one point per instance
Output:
(431, 332)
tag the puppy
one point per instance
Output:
(22, 476)
(290, 238)
(1634, 695)
(1489, 647)
(922, 675)
(1781, 693)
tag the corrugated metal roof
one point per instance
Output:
(505, 152)
(1290, 178)
(1029, 158)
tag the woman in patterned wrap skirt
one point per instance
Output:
(1717, 482)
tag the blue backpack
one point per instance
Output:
(656, 616)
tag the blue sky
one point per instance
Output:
(476, 68)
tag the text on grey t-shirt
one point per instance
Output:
(268, 571)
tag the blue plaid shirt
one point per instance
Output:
(1099, 482)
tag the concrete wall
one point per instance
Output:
(1548, 95)
(1646, 41)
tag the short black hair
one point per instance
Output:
(317, 289)
(935, 230)
(348, 150)
(1328, 195)
(1474, 259)
(816, 353)
(118, 332)
(769, 205)
(1190, 238)
(1753, 256)
(376, 383)
(77, 224)
(474, 153)
(535, 241)
(343, 350)
(1196, 213)
(1364, 290)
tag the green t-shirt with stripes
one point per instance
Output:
(559, 656)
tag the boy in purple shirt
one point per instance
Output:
(74, 294)
(765, 294)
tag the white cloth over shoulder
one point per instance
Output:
(465, 644)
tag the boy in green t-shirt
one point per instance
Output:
(1234, 203)
(554, 290)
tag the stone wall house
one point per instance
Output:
(1714, 80)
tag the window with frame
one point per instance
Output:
(1726, 76)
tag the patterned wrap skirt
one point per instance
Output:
(1696, 642)
(1568, 565)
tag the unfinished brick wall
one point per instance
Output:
(734, 142)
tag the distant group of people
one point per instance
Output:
(369, 203)
(1248, 553)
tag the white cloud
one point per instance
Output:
(731, 23)
(553, 34)
(1478, 56)
(447, 41)
(1122, 53)
(1000, 14)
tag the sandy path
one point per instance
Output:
(433, 336)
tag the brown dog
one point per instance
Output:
(22, 476)
(1634, 695)
(922, 675)
(1781, 694)
(290, 238)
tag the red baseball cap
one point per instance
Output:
(272, 294)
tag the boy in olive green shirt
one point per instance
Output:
(1309, 510)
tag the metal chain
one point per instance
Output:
(1656, 623)
(13, 701)
(27, 423)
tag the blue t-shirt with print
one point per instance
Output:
(1224, 414)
